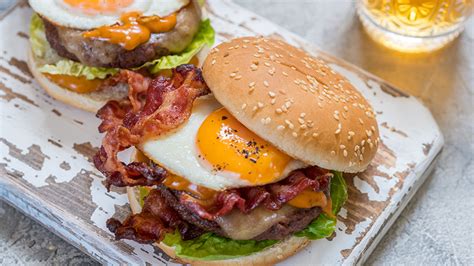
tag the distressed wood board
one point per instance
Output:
(46, 148)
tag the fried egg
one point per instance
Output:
(90, 14)
(214, 150)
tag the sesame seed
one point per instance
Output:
(266, 83)
(268, 120)
(301, 121)
(267, 64)
(290, 125)
(342, 147)
(361, 121)
(304, 127)
(213, 61)
(294, 134)
(232, 75)
(333, 153)
(238, 77)
(244, 106)
(280, 127)
(255, 108)
(271, 94)
(285, 74)
(253, 67)
(302, 115)
(260, 104)
(273, 101)
(315, 135)
(345, 153)
(252, 84)
(282, 92)
(278, 111)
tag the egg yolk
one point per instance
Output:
(98, 6)
(75, 84)
(133, 29)
(179, 183)
(227, 145)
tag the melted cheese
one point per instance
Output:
(247, 226)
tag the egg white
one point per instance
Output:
(62, 14)
(177, 152)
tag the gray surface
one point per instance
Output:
(436, 227)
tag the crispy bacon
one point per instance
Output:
(154, 106)
(156, 219)
(271, 196)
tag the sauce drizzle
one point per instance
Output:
(76, 84)
(133, 29)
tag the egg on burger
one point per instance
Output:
(77, 46)
(241, 163)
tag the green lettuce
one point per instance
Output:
(204, 37)
(324, 225)
(213, 247)
(41, 48)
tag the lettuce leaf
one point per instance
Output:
(324, 225)
(41, 48)
(38, 41)
(338, 192)
(212, 247)
(204, 37)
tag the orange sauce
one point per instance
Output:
(133, 29)
(179, 183)
(310, 199)
(75, 84)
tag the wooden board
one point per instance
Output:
(46, 149)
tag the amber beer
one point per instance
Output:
(414, 25)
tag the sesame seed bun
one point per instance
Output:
(269, 256)
(90, 102)
(294, 101)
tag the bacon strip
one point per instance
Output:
(272, 196)
(156, 219)
(154, 106)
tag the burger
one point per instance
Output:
(78, 46)
(240, 162)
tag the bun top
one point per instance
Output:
(294, 101)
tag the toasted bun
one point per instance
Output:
(90, 102)
(269, 256)
(294, 101)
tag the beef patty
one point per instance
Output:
(296, 222)
(70, 43)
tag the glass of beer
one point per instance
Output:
(414, 25)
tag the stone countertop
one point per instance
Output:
(436, 227)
